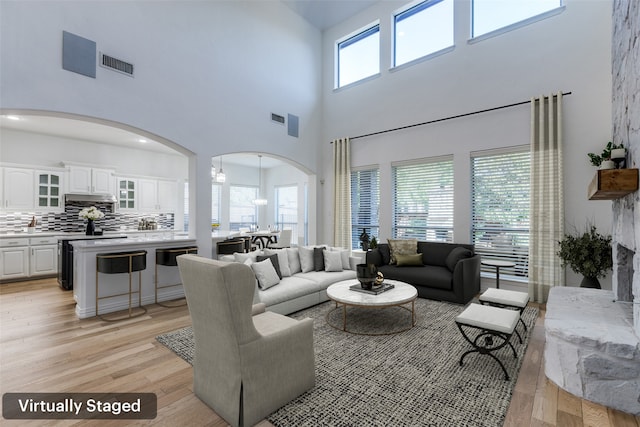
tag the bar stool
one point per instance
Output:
(121, 262)
(167, 257)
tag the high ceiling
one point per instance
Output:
(324, 14)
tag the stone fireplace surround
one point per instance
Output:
(592, 344)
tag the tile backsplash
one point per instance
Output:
(68, 221)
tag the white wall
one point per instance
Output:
(207, 76)
(568, 52)
(47, 150)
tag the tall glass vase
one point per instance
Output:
(91, 227)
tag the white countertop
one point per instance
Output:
(130, 240)
(80, 234)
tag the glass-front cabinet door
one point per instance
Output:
(49, 191)
(126, 193)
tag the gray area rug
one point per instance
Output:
(408, 379)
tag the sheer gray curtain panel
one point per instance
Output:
(547, 206)
(342, 193)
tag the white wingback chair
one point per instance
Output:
(248, 362)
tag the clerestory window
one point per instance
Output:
(358, 56)
(492, 15)
(423, 29)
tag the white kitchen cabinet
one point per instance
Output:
(103, 181)
(148, 195)
(48, 189)
(157, 195)
(127, 193)
(43, 256)
(17, 189)
(14, 258)
(167, 196)
(87, 180)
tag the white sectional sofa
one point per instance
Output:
(303, 284)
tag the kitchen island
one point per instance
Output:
(84, 273)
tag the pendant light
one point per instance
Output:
(260, 201)
(220, 176)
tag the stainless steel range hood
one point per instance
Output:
(90, 199)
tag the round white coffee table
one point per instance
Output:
(342, 294)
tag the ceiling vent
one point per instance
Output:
(115, 64)
(277, 118)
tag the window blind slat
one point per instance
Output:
(365, 200)
(423, 201)
(500, 209)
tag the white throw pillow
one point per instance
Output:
(345, 254)
(294, 260)
(241, 257)
(283, 260)
(265, 273)
(332, 261)
(306, 259)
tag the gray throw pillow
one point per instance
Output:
(306, 259)
(274, 261)
(294, 260)
(318, 259)
(456, 255)
(332, 261)
(265, 274)
(283, 260)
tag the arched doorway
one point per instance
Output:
(261, 191)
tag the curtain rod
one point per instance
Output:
(446, 118)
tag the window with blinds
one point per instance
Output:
(216, 194)
(500, 195)
(423, 200)
(365, 201)
(242, 211)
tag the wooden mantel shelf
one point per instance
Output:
(609, 184)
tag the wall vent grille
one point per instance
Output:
(277, 118)
(115, 64)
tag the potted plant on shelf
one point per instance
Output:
(618, 155)
(588, 254)
(610, 151)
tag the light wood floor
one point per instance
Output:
(45, 348)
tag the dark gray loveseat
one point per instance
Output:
(446, 273)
